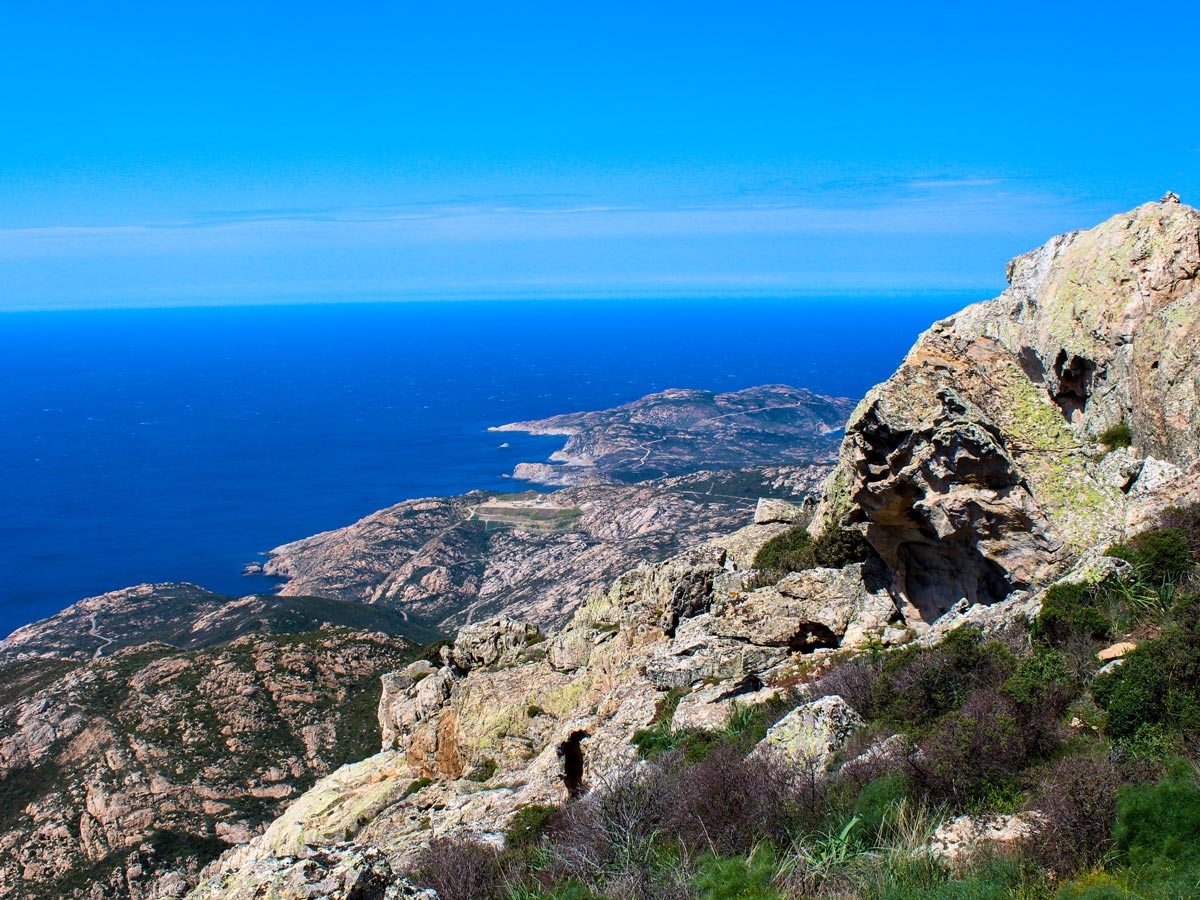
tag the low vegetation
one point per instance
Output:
(796, 550)
(1016, 723)
(1116, 436)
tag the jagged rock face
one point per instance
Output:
(974, 470)
(809, 610)
(496, 641)
(120, 776)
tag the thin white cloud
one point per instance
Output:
(960, 233)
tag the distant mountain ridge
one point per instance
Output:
(188, 617)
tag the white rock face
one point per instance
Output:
(960, 840)
(1154, 475)
(770, 510)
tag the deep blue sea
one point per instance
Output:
(163, 445)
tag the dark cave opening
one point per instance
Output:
(1075, 375)
(938, 575)
(570, 752)
(813, 636)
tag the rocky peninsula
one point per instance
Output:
(679, 431)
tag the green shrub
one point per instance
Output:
(737, 878)
(1069, 609)
(1158, 825)
(1165, 553)
(1040, 674)
(788, 552)
(839, 547)
(529, 824)
(1159, 682)
(1187, 519)
(795, 550)
(1115, 436)
(1159, 556)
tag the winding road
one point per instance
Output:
(98, 636)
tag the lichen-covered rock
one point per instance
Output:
(972, 470)
(771, 510)
(813, 732)
(490, 643)
(710, 706)
(1120, 468)
(1154, 475)
(344, 871)
(410, 697)
(469, 745)
(696, 653)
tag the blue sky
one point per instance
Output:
(157, 154)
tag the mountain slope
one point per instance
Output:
(188, 617)
(444, 561)
(119, 776)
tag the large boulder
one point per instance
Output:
(975, 470)
(696, 653)
(345, 871)
(963, 840)
(812, 733)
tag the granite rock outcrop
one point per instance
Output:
(977, 470)
(123, 775)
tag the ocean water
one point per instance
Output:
(163, 445)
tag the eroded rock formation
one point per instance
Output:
(976, 470)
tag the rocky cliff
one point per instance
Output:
(679, 431)
(977, 469)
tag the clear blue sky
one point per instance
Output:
(162, 153)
